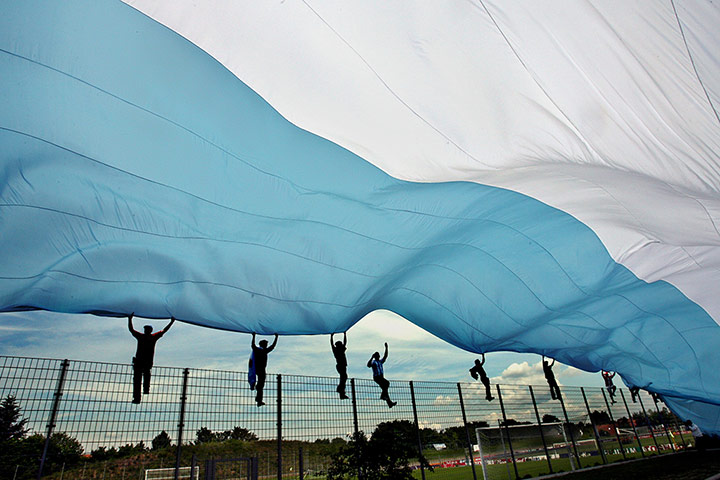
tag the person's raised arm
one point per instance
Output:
(344, 339)
(167, 327)
(332, 342)
(273, 344)
(253, 342)
(386, 354)
(553, 363)
(130, 325)
(369, 364)
(483, 360)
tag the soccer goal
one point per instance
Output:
(169, 473)
(527, 447)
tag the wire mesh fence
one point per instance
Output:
(77, 421)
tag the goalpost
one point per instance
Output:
(527, 443)
(169, 473)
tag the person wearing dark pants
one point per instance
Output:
(338, 349)
(609, 385)
(479, 370)
(144, 355)
(376, 363)
(260, 354)
(550, 377)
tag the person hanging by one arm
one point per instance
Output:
(479, 370)
(607, 376)
(260, 356)
(338, 349)
(143, 359)
(376, 363)
(550, 377)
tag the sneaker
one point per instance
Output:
(136, 400)
(260, 404)
(343, 396)
(392, 404)
(490, 399)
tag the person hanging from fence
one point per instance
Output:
(478, 370)
(550, 377)
(258, 363)
(376, 363)
(338, 350)
(144, 355)
(697, 434)
(655, 397)
(609, 385)
(634, 393)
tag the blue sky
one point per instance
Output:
(414, 353)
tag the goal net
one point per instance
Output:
(494, 444)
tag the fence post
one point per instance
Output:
(467, 432)
(507, 430)
(53, 414)
(612, 421)
(279, 427)
(647, 420)
(572, 435)
(354, 406)
(542, 434)
(417, 430)
(667, 433)
(181, 422)
(301, 463)
(356, 426)
(592, 421)
(632, 422)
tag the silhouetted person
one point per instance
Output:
(260, 354)
(550, 377)
(143, 359)
(376, 363)
(634, 393)
(338, 349)
(655, 397)
(479, 370)
(607, 376)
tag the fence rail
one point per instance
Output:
(81, 422)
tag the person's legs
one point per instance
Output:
(137, 378)
(342, 370)
(146, 378)
(488, 394)
(259, 388)
(551, 384)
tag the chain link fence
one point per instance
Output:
(80, 424)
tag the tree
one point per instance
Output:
(385, 455)
(11, 426)
(239, 433)
(548, 418)
(162, 440)
(600, 418)
(204, 435)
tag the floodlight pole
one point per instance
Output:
(542, 434)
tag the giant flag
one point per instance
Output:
(524, 176)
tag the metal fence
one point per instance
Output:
(82, 424)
